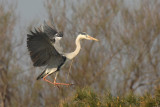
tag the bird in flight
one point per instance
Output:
(45, 50)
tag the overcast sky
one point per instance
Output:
(29, 10)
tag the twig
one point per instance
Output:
(69, 68)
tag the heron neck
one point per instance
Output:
(78, 47)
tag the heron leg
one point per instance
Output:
(55, 77)
(54, 83)
(44, 78)
(60, 83)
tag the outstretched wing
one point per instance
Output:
(42, 51)
(50, 31)
(54, 36)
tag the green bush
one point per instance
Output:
(86, 97)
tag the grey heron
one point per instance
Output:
(45, 50)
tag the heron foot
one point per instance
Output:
(57, 84)
(65, 84)
(62, 84)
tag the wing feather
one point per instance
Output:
(49, 31)
(42, 51)
(54, 36)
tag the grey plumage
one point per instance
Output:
(42, 51)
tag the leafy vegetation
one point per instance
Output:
(87, 97)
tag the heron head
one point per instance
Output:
(84, 35)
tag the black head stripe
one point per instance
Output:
(60, 34)
(83, 33)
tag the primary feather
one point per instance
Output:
(41, 45)
(40, 48)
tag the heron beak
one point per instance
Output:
(91, 38)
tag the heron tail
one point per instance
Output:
(41, 75)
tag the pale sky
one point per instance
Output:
(29, 10)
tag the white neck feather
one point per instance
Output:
(78, 47)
